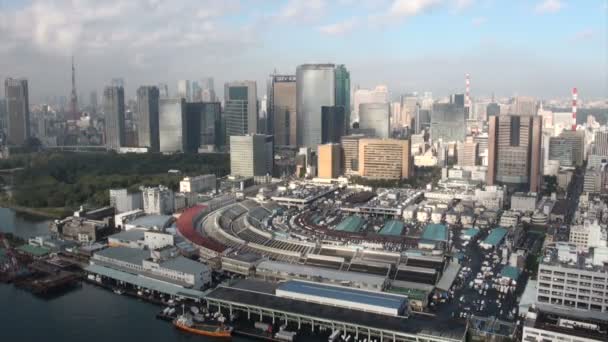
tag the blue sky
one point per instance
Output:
(534, 47)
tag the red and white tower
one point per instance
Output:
(574, 98)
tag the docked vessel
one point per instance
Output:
(215, 329)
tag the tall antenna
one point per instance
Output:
(574, 99)
(74, 97)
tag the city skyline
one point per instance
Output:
(544, 55)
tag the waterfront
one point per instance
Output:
(86, 313)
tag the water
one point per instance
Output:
(21, 225)
(88, 313)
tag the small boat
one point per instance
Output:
(210, 329)
(119, 291)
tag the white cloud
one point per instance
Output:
(463, 4)
(408, 8)
(478, 21)
(302, 10)
(340, 28)
(549, 6)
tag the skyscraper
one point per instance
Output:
(202, 125)
(207, 90)
(514, 151)
(375, 116)
(251, 155)
(282, 109)
(114, 110)
(525, 105)
(332, 124)
(172, 125)
(448, 122)
(315, 87)
(601, 143)
(467, 155)
(184, 90)
(329, 160)
(147, 112)
(163, 90)
(350, 154)
(241, 108)
(377, 95)
(409, 110)
(93, 102)
(118, 82)
(17, 110)
(343, 92)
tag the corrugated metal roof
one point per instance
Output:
(435, 232)
(145, 282)
(350, 224)
(496, 235)
(345, 293)
(392, 227)
(185, 265)
(129, 235)
(130, 255)
(448, 277)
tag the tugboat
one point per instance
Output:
(209, 328)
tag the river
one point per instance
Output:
(88, 313)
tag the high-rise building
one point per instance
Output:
(124, 201)
(203, 125)
(114, 110)
(147, 113)
(332, 124)
(163, 90)
(448, 122)
(197, 92)
(458, 100)
(251, 155)
(467, 156)
(74, 112)
(601, 143)
(282, 109)
(184, 90)
(315, 87)
(568, 148)
(118, 82)
(3, 118)
(93, 102)
(329, 160)
(375, 116)
(524, 105)
(241, 109)
(423, 120)
(343, 93)
(492, 109)
(17, 110)
(514, 150)
(377, 95)
(207, 90)
(409, 110)
(172, 125)
(385, 159)
(158, 200)
(350, 154)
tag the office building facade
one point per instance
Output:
(350, 154)
(17, 110)
(315, 88)
(343, 93)
(385, 159)
(114, 110)
(147, 123)
(207, 89)
(329, 161)
(251, 155)
(332, 124)
(203, 125)
(241, 108)
(184, 90)
(158, 200)
(172, 125)
(448, 122)
(376, 117)
(282, 109)
(514, 151)
(377, 95)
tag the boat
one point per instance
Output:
(118, 291)
(213, 329)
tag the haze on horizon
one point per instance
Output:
(540, 48)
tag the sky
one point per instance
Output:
(540, 48)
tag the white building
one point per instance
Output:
(589, 234)
(158, 240)
(158, 200)
(377, 95)
(524, 202)
(123, 201)
(198, 184)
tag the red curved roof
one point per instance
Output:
(186, 224)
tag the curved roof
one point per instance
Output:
(186, 225)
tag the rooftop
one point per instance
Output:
(496, 235)
(34, 250)
(350, 224)
(129, 235)
(184, 265)
(152, 221)
(129, 255)
(510, 272)
(341, 276)
(435, 232)
(392, 227)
